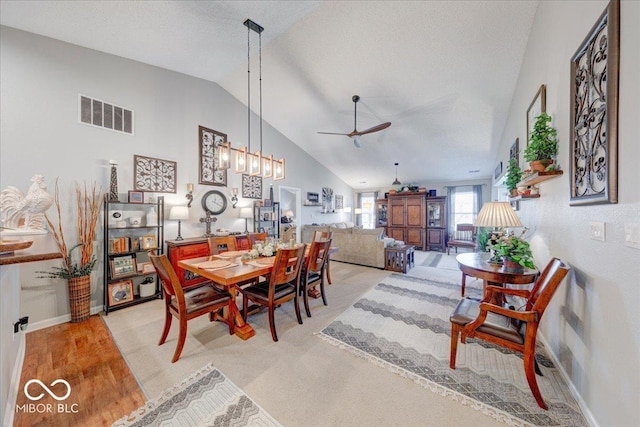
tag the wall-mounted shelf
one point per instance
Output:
(538, 177)
(313, 204)
(524, 197)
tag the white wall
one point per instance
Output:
(40, 81)
(592, 323)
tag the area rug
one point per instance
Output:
(205, 398)
(403, 324)
(441, 260)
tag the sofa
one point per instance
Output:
(355, 245)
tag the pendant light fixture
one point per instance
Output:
(245, 161)
(396, 182)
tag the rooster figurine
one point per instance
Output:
(25, 214)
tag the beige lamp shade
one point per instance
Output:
(179, 213)
(246, 213)
(497, 214)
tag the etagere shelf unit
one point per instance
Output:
(131, 230)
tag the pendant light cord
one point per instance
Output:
(260, 78)
(248, 88)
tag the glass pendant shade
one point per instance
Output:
(278, 169)
(255, 163)
(267, 166)
(224, 155)
(241, 160)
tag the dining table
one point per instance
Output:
(231, 275)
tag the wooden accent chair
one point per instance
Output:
(187, 304)
(219, 244)
(257, 237)
(507, 327)
(464, 237)
(283, 285)
(313, 271)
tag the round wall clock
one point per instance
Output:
(214, 202)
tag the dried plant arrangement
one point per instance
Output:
(88, 203)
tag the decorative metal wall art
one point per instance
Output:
(209, 143)
(339, 201)
(537, 107)
(154, 175)
(594, 112)
(251, 186)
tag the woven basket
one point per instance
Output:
(80, 298)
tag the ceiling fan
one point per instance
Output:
(355, 134)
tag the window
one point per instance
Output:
(368, 206)
(463, 207)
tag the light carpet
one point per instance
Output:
(205, 398)
(403, 325)
(441, 260)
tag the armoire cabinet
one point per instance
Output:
(407, 218)
(436, 224)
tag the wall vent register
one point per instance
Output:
(95, 112)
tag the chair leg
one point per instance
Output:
(182, 337)
(529, 370)
(324, 297)
(305, 297)
(167, 322)
(298, 315)
(272, 323)
(455, 333)
(464, 284)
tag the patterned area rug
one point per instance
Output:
(441, 260)
(403, 325)
(206, 398)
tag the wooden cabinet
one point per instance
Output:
(407, 218)
(195, 247)
(436, 224)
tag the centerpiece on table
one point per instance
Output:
(514, 251)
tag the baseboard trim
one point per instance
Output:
(574, 391)
(36, 326)
(12, 397)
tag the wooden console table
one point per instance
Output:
(399, 258)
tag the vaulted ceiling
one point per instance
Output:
(443, 72)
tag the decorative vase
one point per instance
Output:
(152, 217)
(113, 183)
(540, 165)
(80, 298)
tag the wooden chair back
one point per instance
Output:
(219, 244)
(257, 237)
(318, 253)
(286, 268)
(168, 277)
(288, 234)
(322, 235)
(546, 285)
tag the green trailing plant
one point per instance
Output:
(514, 174)
(514, 248)
(483, 239)
(543, 143)
(71, 270)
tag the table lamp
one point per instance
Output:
(246, 213)
(497, 215)
(179, 213)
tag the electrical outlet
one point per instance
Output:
(632, 235)
(596, 231)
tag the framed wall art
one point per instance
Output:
(122, 266)
(208, 141)
(515, 150)
(339, 201)
(251, 186)
(594, 112)
(154, 175)
(136, 196)
(120, 292)
(498, 171)
(537, 107)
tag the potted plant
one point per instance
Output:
(514, 175)
(77, 271)
(543, 144)
(514, 251)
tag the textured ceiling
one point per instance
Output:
(442, 72)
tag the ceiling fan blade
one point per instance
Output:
(333, 133)
(371, 130)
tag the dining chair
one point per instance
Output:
(313, 271)
(187, 304)
(283, 285)
(506, 327)
(257, 237)
(219, 244)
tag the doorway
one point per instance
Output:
(291, 207)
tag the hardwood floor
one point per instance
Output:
(103, 388)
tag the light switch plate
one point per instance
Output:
(596, 231)
(632, 235)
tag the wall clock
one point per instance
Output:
(214, 202)
(251, 186)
